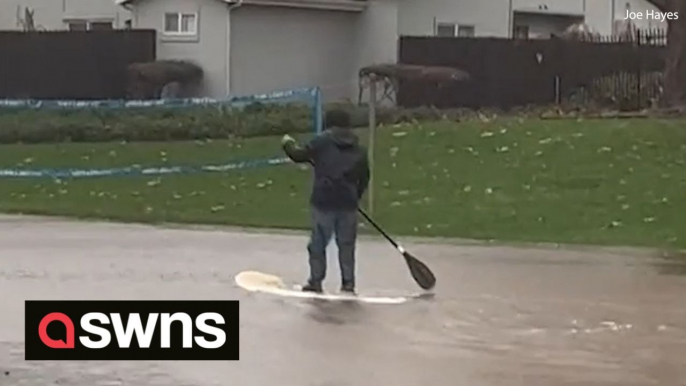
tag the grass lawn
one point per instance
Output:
(611, 182)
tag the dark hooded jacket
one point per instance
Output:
(341, 168)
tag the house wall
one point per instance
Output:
(277, 48)
(542, 26)
(553, 7)
(96, 9)
(599, 16)
(51, 14)
(638, 6)
(377, 39)
(208, 48)
(418, 17)
(491, 17)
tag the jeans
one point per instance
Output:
(324, 225)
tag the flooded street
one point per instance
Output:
(500, 315)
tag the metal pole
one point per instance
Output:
(510, 21)
(612, 18)
(372, 132)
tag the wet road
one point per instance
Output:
(501, 315)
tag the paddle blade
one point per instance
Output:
(420, 272)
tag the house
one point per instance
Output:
(256, 46)
(515, 18)
(62, 14)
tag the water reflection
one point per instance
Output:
(671, 263)
(335, 312)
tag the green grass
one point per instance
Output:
(609, 182)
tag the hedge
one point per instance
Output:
(203, 122)
(151, 124)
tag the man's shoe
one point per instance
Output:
(348, 289)
(313, 287)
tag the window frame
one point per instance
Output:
(88, 23)
(470, 27)
(523, 27)
(440, 25)
(179, 21)
(77, 22)
(110, 23)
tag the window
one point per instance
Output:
(465, 31)
(180, 23)
(100, 26)
(78, 26)
(445, 30)
(86, 25)
(521, 32)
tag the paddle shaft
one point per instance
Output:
(378, 228)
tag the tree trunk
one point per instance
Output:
(675, 62)
(675, 69)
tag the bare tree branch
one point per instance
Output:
(662, 5)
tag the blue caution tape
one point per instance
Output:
(180, 102)
(314, 93)
(138, 170)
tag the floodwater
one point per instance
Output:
(500, 315)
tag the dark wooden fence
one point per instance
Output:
(507, 73)
(71, 65)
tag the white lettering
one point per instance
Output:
(633, 15)
(125, 334)
(187, 323)
(651, 14)
(201, 323)
(86, 325)
(134, 326)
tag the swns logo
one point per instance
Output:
(132, 330)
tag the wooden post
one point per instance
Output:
(372, 132)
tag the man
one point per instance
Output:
(341, 176)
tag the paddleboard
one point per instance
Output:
(254, 281)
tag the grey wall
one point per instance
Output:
(599, 15)
(377, 39)
(275, 48)
(541, 26)
(208, 48)
(417, 17)
(491, 17)
(566, 7)
(51, 14)
(638, 6)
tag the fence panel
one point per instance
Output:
(71, 65)
(509, 72)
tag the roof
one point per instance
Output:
(439, 74)
(341, 5)
(125, 2)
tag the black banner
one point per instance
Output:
(132, 330)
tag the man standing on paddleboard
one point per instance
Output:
(341, 176)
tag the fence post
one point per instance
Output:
(638, 72)
(372, 132)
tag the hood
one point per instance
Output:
(343, 137)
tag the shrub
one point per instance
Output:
(620, 91)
